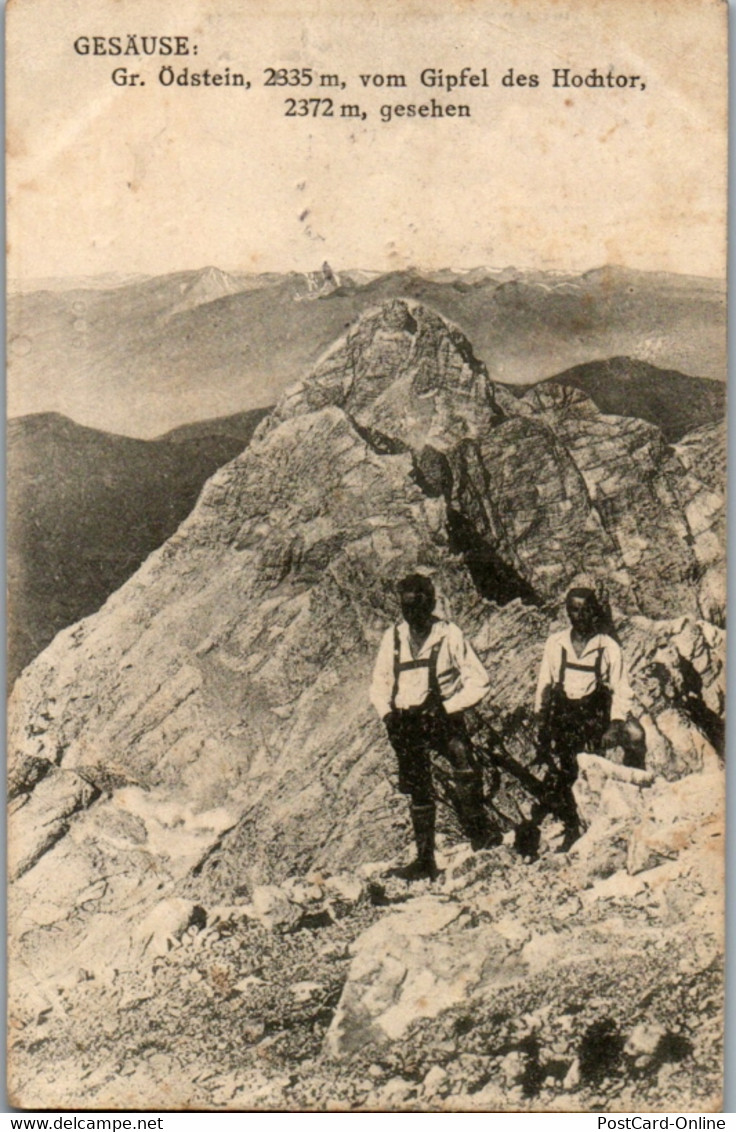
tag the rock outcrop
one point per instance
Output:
(406, 372)
(207, 733)
(512, 943)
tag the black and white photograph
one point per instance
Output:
(366, 458)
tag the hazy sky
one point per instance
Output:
(104, 178)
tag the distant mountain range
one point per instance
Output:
(85, 508)
(626, 387)
(143, 356)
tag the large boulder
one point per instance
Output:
(393, 982)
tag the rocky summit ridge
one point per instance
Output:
(182, 761)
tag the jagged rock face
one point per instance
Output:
(702, 497)
(606, 496)
(703, 452)
(404, 371)
(526, 499)
(646, 521)
(214, 714)
(631, 480)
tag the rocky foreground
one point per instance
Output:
(574, 982)
(201, 796)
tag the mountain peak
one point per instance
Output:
(403, 368)
(207, 285)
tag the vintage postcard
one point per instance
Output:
(366, 489)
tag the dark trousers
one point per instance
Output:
(572, 726)
(416, 735)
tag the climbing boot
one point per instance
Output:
(425, 866)
(471, 811)
(527, 837)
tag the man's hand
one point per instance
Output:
(422, 712)
(613, 735)
(393, 721)
(543, 739)
(542, 725)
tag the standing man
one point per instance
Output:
(583, 703)
(426, 674)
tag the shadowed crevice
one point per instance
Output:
(494, 579)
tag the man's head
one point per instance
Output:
(582, 609)
(417, 597)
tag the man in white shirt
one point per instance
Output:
(583, 702)
(426, 675)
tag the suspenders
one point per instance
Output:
(565, 664)
(400, 666)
